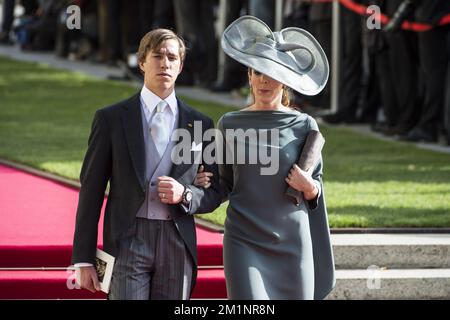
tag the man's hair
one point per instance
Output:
(153, 40)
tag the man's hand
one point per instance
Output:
(170, 191)
(88, 279)
(203, 179)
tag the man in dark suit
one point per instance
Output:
(148, 225)
(433, 68)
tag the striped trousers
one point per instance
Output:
(152, 263)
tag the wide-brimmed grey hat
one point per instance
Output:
(291, 56)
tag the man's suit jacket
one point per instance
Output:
(116, 154)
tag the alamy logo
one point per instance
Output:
(374, 277)
(71, 281)
(73, 20)
(238, 146)
(373, 21)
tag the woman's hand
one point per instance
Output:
(202, 179)
(302, 181)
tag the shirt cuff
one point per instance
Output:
(83, 264)
(186, 208)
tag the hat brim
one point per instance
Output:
(303, 83)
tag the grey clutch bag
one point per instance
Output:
(309, 157)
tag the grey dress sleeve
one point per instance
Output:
(317, 176)
(225, 167)
(317, 173)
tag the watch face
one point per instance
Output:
(188, 196)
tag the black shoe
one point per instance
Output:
(419, 135)
(205, 84)
(446, 138)
(396, 130)
(364, 120)
(338, 118)
(131, 73)
(112, 63)
(135, 74)
(379, 127)
(5, 39)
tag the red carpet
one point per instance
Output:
(37, 218)
(60, 285)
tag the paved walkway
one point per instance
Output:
(96, 70)
(104, 72)
(391, 239)
(365, 129)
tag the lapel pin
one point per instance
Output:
(190, 125)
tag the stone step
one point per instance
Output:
(394, 251)
(350, 284)
(60, 284)
(391, 284)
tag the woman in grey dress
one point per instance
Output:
(273, 248)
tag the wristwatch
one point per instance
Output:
(187, 196)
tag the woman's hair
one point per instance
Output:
(285, 99)
(153, 40)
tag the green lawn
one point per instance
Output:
(45, 118)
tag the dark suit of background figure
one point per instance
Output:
(370, 95)
(405, 61)
(7, 20)
(195, 23)
(396, 61)
(116, 154)
(351, 68)
(350, 71)
(377, 77)
(89, 42)
(433, 65)
(264, 10)
(447, 93)
(296, 14)
(164, 14)
(234, 74)
(128, 21)
(42, 30)
(320, 21)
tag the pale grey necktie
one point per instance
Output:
(160, 128)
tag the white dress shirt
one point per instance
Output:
(149, 101)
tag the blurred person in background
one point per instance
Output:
(351, 68)
(7, 21)
(433, 67)
(195, 23)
